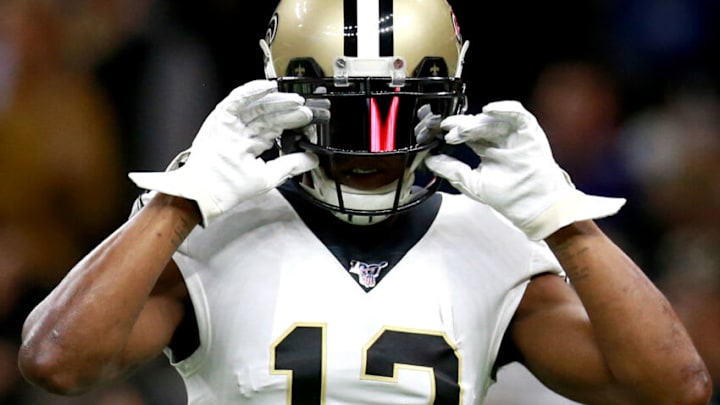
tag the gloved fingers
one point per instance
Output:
(320, 108)
(524, 130)
(255, 137)
(505, 107)
(424, 111)
(429, 126)
(263, 140)
(286, 166)
(515, 114)
(245, 94)
(277, 121)
(476, 128)
(447, 167)
(323, 103)
(269, 103)
(458, 173)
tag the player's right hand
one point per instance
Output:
(222, 167)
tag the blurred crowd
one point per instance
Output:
(628, 92)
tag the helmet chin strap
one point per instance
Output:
(270, 72)
(326, 190)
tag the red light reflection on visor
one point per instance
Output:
(382, 134)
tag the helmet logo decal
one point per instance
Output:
(300, 71)
(382, 133)
(272, 28)
(367, 273)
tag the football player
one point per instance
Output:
(336, 272)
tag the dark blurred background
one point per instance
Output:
(627, 91)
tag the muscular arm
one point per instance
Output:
(117, 308)
(610, 337)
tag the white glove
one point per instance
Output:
(222, 167)
(518, 175)
(429, 126)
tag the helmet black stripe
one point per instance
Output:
(386, 28)
(350, 27)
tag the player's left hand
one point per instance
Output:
(429, 126)
(518, 175)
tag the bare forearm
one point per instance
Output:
(635, 327)
(87, 320)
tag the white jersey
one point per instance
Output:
(283, 320)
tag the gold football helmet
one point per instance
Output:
(372, 64)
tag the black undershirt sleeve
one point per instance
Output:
(186, 338)
(507, 354)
